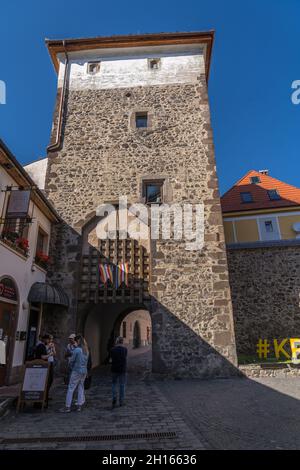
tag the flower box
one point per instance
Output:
(42, 259)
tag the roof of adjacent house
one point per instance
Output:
(56, 46)
(22, 178)
(232, 201)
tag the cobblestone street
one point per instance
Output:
(240, 413)
(212, 414)
(147, 411)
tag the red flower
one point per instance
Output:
(22, 243)
(42, 257)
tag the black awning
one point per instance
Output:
(48, 294)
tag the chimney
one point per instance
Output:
(264, 172)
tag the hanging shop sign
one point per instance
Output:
(18, 204)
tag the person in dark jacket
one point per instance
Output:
(118, 370)
(43, 352)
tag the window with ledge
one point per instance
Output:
(15, 234)
(153, 192)
(93, 68)
(246, 197)
(41, 254)
(154, 64)
(14, 227)
(274, 195)
(141, 120)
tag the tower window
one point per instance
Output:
(154, 64)
(246, 197)
(93, 68)
(273, 195)
(141, 120)
(254, 179)
(153, 192)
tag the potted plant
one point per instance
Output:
(10, 235)
(42, 259)
(23, 244)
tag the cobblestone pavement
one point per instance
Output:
(213, 414)
(240, 413)
(147, 410)
(140, 360)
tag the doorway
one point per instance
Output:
(136, 335)
(136, 330)
(7, 329)
(33, 331)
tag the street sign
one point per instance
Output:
(35, 382)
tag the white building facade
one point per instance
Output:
(25, 229)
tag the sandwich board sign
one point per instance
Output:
(35, 382)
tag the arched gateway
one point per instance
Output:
(114, 281)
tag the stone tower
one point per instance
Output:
(131, 116)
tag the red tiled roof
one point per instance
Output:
(231, 201)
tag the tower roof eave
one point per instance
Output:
(56, 46)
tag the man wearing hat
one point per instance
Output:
(68, 354)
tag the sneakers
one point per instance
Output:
(78, 409)
(114, 403)
(65, 410)
(122, 403)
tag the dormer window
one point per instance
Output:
(154, 64)
(274, 195)
(254, 179)
(93, 68)
(246, 197)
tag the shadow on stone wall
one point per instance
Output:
(178, 350)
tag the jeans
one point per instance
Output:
(76, 381)
(121, 378)
(50, 379)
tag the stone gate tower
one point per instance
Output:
(132, 119)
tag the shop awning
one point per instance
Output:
(48, 294)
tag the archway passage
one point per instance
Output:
(104, 323)
(136, 329)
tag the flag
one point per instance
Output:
(123, 269)
(117, 276)
(102, 272)
(126, 271)
(109, 273)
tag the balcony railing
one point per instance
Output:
(14, 234)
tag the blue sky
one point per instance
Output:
(255, 59)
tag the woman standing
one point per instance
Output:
(78, 365)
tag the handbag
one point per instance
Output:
(88, 382)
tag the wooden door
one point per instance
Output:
(7, 323)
